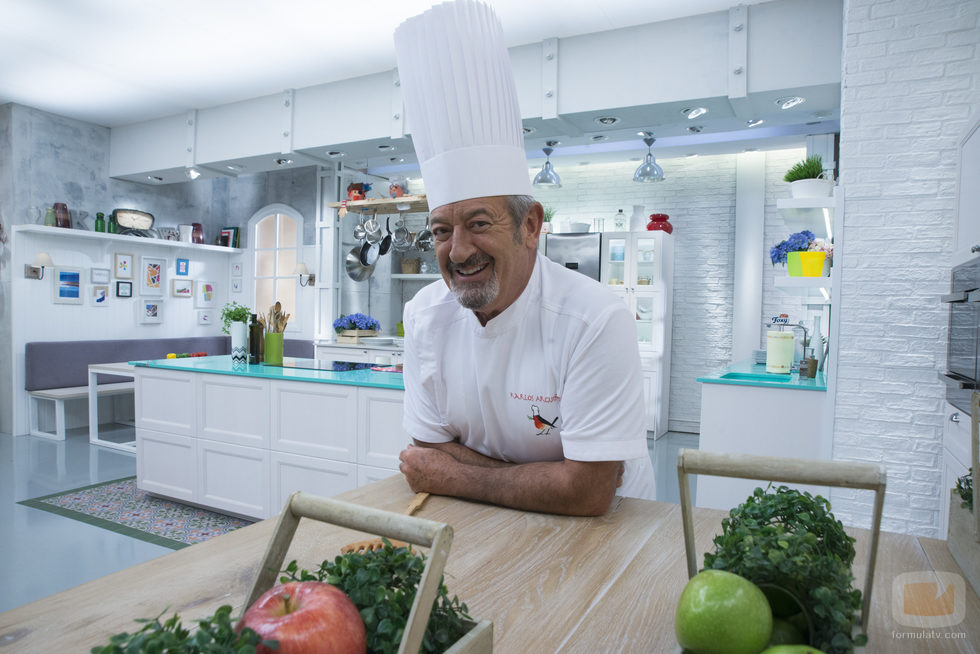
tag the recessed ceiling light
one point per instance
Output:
(598, 138)
(692, 155)
(234, 167)
(694, 112)
(552, 144)
(283, 162)
(755, 122)
(528, 130)
(607, 120)
(192, 173)
(154, 179)
(750, 150)
(789, 101)
(385, 146)
(336, 154)
(695, 129)
(821, 114)
(395, 159)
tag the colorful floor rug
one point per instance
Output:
(121, 507)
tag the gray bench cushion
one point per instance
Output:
(58, 364)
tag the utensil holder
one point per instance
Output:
(273, 349)
(435, 535)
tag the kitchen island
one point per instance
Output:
(745, 410)
(548, 583)
(241, 439)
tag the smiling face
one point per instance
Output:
(485, 258)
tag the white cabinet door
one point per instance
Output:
(956, 459)
(380, 437)
(952, 470)
(293, 472)
(165, 401)
(651, 395)
(234, 410)
(315, 419)
(369, 474)
(340, 353)
(234, 478)
(165, 464)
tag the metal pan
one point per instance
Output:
(369, 253)
(386, 241)
(355, 269)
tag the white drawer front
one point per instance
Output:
(165, 464)
(234, 478)
(165, 401)
(380, 437)
(315, 419)
(956, 434)
(234, 410)
(323, 477)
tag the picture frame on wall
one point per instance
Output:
(67, 285)
(99, 294)
(181, 288)
(151, 281)
(183, 267)
(205, 317)
(236, 286)
(204, 295)
(236, 269)
(99, 276)
(149, 312)
(124, 289)
(123, 265)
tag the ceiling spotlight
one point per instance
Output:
(155, 179)
(693, 155)
(821, 114)
(607, 120)
(395, 159)
(235, 167)
(547, 177)
(385, 146)
(750, 150)
(789, 101)
(528, 130)
(598, 138)
(192, 173)
(694, 112)
(695, 129)
(649, 171)
(336, 154)
(755, 122)
(283, 162)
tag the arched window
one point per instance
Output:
(277, 236)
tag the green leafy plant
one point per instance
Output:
(234, 312)
(809, 168)
(791, 540)
(964, 488)
(549, 213)
(382, 585)
(214, 635)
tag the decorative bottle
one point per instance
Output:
(113, 226)
(61, 215)
(100, 222)
(49, 219)
(239, 343)
(638, 221)
(619, 221)
(255, 334)
(816, 340)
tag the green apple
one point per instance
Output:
(785, 633)
(792, 649)
(722, 613)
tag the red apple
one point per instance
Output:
(306, 617)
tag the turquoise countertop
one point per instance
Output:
(749, 373)
(221, 365)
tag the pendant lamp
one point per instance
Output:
(649, 171)
(547, 177)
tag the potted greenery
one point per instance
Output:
(808, 180)
(234, 321)
(802, 253)
(352, 327)
(549, 213)
(961, 537)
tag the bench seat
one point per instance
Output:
(59, 396)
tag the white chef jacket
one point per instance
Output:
(555, 375)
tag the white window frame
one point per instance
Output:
(284, 209)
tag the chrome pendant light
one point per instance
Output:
(547, 177)
(649, 171)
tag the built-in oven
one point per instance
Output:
(962, 374)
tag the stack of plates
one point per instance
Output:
(759, 356)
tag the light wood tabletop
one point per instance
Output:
(548, 583)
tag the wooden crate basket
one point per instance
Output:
(842, 474)
(355, 335)
(435, 535)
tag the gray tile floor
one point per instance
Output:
(42, 553)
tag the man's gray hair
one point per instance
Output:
(518, 206)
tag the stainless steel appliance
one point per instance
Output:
(962, 374)
(579, 252)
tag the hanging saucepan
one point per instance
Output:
(369, 253)
(359, 230)
(386, 241)
(423, 240)
(372, 230)
(355, 269)
(402, 238)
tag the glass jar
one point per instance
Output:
(619, 221)
(61, 215)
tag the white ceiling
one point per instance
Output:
(116, 62)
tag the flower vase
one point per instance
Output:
(816, 342)
(239, 343)
(638, 221)
(811, 263)
(273, 349)
(794, 267)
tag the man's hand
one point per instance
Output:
(425, 468)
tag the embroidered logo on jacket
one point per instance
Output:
(542, 424)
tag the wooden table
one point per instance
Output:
(548, 583)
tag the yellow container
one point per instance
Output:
(779, 352)
(805, 264)
(273, 349)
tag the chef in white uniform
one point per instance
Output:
(522, 378)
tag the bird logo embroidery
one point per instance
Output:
(542, 424)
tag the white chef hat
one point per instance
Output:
(461, 102)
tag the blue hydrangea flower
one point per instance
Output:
(798, 242)
(355, 321)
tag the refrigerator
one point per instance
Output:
(580, 252)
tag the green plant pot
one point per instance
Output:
(794, 266)
(273, 349)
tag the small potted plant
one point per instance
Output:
(234, 321)
(549, 213)
(232, 313)
(802, 254)
(808, 180)
(352, 327)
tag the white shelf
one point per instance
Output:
(418, 277)
(812, 288)
(62, 232)
(815, 214)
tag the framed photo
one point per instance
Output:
(100, 295)
(67, 286)
(124, 266)
(181, 288)
(204, 295)
(99, 276)
(183, 267)
(205, 317)
(236, 286)
(151, 282)
(236, 269)
(124, 289)
(149, 312)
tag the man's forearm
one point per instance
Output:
(465, 455)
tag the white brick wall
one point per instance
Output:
(910, 80)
